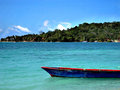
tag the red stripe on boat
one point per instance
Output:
(64, 68)
(92, 69)
(48, 67)
(109, 70)
(71, 68)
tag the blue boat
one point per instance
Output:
(82, 73)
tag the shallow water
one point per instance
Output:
(20, 65)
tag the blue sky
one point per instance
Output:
(19, 17)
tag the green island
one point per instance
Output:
(86, 32)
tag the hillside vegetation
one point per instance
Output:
(101, 32)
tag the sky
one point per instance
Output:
(20, 17)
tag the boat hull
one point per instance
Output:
(82, 73)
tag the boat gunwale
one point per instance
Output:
(81, 69)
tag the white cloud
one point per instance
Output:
(46, 27)
(54, 25)
(13, 29)
(64, 25)
(46, 23)
(22, 28)
(61, 27)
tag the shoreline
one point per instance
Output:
(73, 41)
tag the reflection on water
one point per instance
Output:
(56, 83)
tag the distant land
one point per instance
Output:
(86, 32)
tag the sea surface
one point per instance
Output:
(20, 65)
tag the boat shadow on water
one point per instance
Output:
(55, 83)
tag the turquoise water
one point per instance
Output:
(20, 65)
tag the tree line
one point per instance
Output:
(99, 32)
